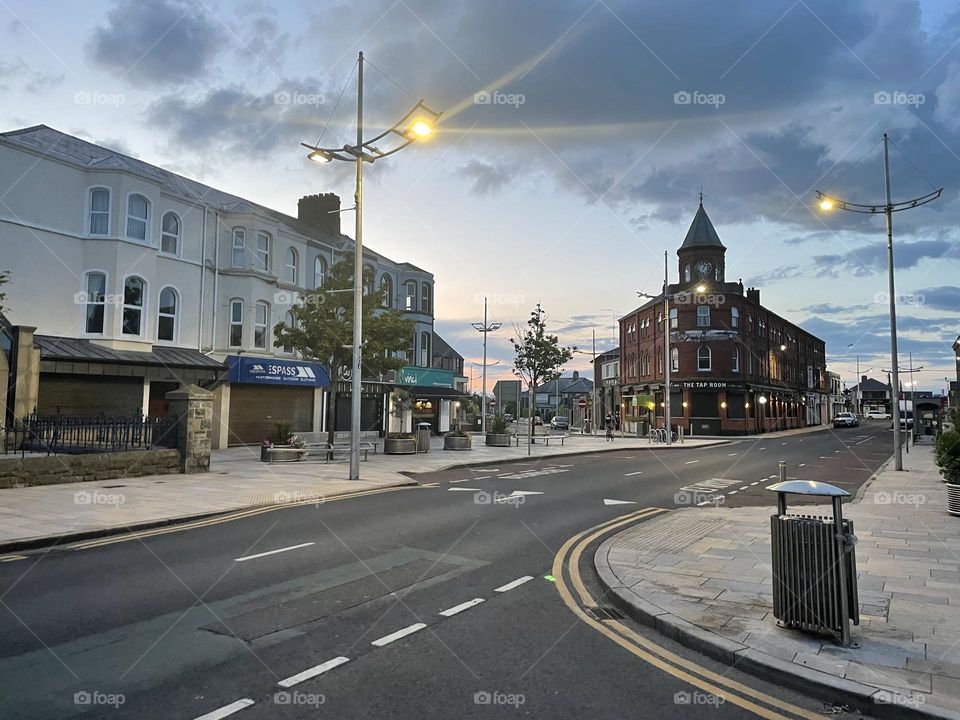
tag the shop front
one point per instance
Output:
(425, 395)
(267, 391)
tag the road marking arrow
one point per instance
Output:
(607, 501)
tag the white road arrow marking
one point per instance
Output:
(607, 501)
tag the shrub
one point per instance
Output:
(947, 456)
(499, 425)
(280, 433)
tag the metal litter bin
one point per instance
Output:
(814, 563)
(423, 437)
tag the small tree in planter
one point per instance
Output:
(498, 434)
(539, 358)
(456, 439)
(947, 457)
(400, 443)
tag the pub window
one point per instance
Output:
(734, 317)
(735, 360)
(673, 319)
(674, 360)
(703, 316)
(686, 273)
(703, 358)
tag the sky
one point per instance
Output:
(575, 139)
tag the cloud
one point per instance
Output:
(157, 42)
(485, 178)
(829, 309)
(872, 259)
(942, 297)
(768, 277)
(17, 71)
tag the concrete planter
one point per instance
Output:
(454, 442)
(498, 440)
(953, 499)
(399, 446)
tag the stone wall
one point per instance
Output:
(23, 472)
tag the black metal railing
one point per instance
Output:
(67, 435)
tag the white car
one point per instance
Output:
(878, 415)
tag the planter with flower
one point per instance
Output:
(498, 434)
(947, 457)
(400, 444)
(456, 439)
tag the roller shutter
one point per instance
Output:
(255, 408)
(89, 395)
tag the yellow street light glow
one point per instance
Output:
(701, 288)
(826, 204)
(318, 156)
(421, 128)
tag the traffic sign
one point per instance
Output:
(493, 402)
(582, 403)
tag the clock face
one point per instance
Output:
(703, 268)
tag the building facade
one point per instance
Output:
(874, 396)
(606, 368)
(140, 280)
(736, 366)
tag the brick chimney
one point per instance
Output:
(321, 210)
(753, 295)
(576, 374)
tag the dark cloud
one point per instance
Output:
(232, 119)
(872, 259)
(942, 297)
(829, 309)
(157, 42)
(767, 277)
(16, 72)
(486, 178)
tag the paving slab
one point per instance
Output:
(906, 658)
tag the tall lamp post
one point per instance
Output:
(485, 328)
(857, 405)
(666, 339)
(415, 125)
(828, 202)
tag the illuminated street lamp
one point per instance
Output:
(415, 125)
(485, 328)
(828, 202)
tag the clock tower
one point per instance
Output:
(702, 254)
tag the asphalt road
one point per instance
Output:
(201, 621)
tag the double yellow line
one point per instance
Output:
(566, 564)
(218, 519)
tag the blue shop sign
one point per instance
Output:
(268, 371)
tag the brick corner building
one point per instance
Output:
(737, 368)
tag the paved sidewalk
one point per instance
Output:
(238, 480)
(703, 576)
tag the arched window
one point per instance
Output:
(263, 252)
(703, 358)
(138, 218)
(673, 319)
(99, 223)
(319, 272)
(410, 290)
(94, 301)
(291, 268)
(261, 320)
(425, 349)
(133, 296)
(386, 287)
(686, 272)
(735, 360)
(291, 322)
(717, 270)
(425, 298)
(238, 255)
(369, 279)
(167, 315)
(734, 317)
(674, 360)
(236, 323)
(170, 234)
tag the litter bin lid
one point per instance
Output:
(423, 425)
(808, 487)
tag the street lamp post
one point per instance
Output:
(828, 202)
(485, 328)
(421, 122)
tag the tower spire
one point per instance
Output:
(701, 195)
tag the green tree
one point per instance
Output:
(539, 358)
(323, 331)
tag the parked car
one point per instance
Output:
(877, 415)
(560, 422)
(845, 419)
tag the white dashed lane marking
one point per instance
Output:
(691, 462)
(638, 472)
(515, 583)
(409, 630)
(313, 672)
(272, 552)
(227, 710)
(461, 607)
